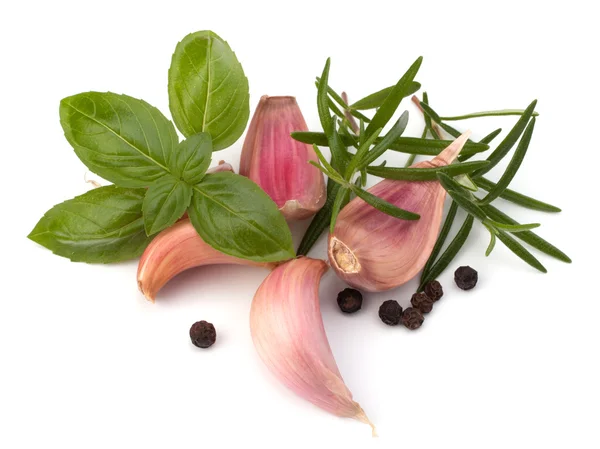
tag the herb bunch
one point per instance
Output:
(157, 179)
(355, 147)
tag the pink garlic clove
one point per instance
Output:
(288, 333)
(174, 250)
(278, 163)
(373, 251)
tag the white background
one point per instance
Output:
(87, 362)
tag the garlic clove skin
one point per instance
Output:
(288, 333)
(373, 251)
(278, 163)
(177, 249)
(222, 166)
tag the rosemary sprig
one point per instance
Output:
(392, 101)
(528, 237)
(448, 256)
(409, 145)
(520, 251)
(425, 174)
(439, 243)
(491, 136)
(339, 100)
(513, 166)
(384, 206)
(496, 113)
(375, 100)
(505, 146)
(518, 198)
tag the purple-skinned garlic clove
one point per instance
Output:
(373, 251)
(280, 164)
(288, 333)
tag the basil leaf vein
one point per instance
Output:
(104, 225)
(208, 90)
(233, 215)
(165, 202)
(122, 139)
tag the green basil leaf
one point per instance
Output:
(122, 139)
(235, 216)
(103, 225)
(208, 91)
(165, 202)
(192, 157)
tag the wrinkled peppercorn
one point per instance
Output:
(203, 334)
(412, 318)
(422, 302)
(434, 290)
(349, 300)
(390, 312)
(465, 278)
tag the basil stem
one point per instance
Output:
(448, 256)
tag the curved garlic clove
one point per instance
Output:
(222, 166)
(375, 252)
(288, 333)
(174, 250)
(278, 163)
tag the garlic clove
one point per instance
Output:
(174, 250)
(288, 333)
(376, 252)
(278, 163)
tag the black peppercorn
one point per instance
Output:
(422, 302)
(412, 318)
(203, 334)
(390, 312)
(465, 278)
(434, 290)
(349, 300)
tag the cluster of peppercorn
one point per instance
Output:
(203, 334)
(392, 314)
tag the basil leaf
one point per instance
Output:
(235, 216)
(103, 225)
(122, 139)
(191, 158)
(165, 202)
(208, 91)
